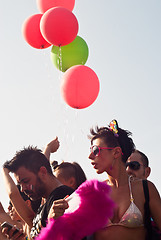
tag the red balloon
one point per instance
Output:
(80, 86)
(59, 26)
(44, 5)
(32, 34)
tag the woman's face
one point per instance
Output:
(102, 162)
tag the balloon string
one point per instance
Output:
(69, 133)
(60, 59)
(68, 136)
(76, 126)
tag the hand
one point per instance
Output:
(58, 208)
(19, 235)
(51, 147)
(2, 236)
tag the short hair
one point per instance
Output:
(144, 158)
(70, 170)
(31, 158)
(122, 139)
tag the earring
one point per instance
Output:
(112, 164)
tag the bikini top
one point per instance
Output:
(132, 218)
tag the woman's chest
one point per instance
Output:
(123, 199)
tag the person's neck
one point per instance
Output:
(51, 185)
(117, 182)
(118, 177)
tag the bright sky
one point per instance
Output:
(124, 40)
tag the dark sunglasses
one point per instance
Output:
(96, 149)
(134, 165)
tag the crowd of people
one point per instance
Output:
(43, 186)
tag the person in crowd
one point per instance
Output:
(12, 218)
(111, 146)
(70, 174)
(21, 207)
(33, 205)
(137, 165)
(33, 173)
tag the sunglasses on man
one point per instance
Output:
(134, 165)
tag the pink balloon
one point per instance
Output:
(59, 26)
(44, 5)
(31, 32)
(80, 86)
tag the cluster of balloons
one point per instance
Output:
(56, 25)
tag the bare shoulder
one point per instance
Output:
(152, 189)
(138, 183)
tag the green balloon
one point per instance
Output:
(75, 53)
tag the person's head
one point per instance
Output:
(138, 165)
(109, 144)
(32, 171)
(34, 205)
(69, 174)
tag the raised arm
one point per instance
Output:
(155, 204)
(22, 209)
(51, 147)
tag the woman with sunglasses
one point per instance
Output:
(110, 148)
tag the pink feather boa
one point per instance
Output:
(95, 208)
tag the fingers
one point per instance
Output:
(14, 233)
(17, 235)
(2, 237)
(58, 208)
(5, 230)
(54, 145)
(51, 147)
(60, 204)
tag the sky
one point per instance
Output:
(124, 41)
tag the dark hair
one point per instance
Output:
(122, 139)
(144, 158)
(34, 204)
(31, 158)
(71, 170)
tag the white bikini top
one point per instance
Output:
(132, 217)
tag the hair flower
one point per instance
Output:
(113, 126)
